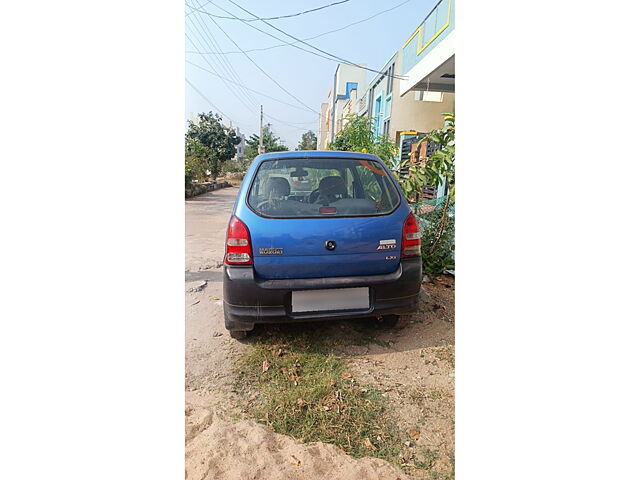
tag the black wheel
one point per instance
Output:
(238, 334)
(389, 321)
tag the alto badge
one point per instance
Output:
(387, 244)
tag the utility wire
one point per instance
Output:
(250, 89)
(308, 44)
(298, 40)
(233, 121)
(293, 44)
(279, 17)
(308, 38)
(209, 101)
(262, 70)
(292, 125)
(232, 90)
(242, 101)
(193, 10)
(229, 66)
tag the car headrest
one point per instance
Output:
(276, 187)
(332, 186)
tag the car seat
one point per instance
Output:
(330, 189)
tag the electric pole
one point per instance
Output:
(260, 147)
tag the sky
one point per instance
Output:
(305, 78)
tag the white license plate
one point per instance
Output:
(330, 299)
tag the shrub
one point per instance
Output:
(438, 235)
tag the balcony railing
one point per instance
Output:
(439, 22)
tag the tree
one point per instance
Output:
(441, 165)
(208, 143)
(357, 136)
(309, 141)
(270, 142)
(195, 162)
(438, 239)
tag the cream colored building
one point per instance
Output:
(392, 113)
(323, 127)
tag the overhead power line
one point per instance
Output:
(234, 91)
(240, 99)
(208, 101)
(292, 125)
(298, 40)
(226, 64)
(278, 17)
(308, 44)
(308, 38)
(262, 70)
(271, 35)
(193, 10)
(250, 89)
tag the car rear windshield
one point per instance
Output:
(323, 187)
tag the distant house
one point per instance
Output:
(347, 81)
(407, 98)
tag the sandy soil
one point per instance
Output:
(221, 448)
(415, 369)
(417, 373)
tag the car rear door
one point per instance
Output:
(327, 247)
(352, 228)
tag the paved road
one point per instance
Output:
(208, 345)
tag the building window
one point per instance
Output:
(377, 116)
(390, 72)
(385, 127)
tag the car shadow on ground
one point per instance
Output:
(431, 326)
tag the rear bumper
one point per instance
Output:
(249, 300)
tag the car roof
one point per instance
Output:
(335, 154)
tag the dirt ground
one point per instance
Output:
(413, 366)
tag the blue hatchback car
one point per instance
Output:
(316, 235)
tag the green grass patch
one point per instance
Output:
(303, 390)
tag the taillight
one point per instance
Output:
(411, 237)
(328, 210)
(238, 244)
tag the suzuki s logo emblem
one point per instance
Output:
(330, 245)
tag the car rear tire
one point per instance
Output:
(397, 321)
(404, 320)
(388, 321)
(238, 334)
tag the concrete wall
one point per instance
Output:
(200, 188)
(406, 113)
(344, 74)
(411, 114)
